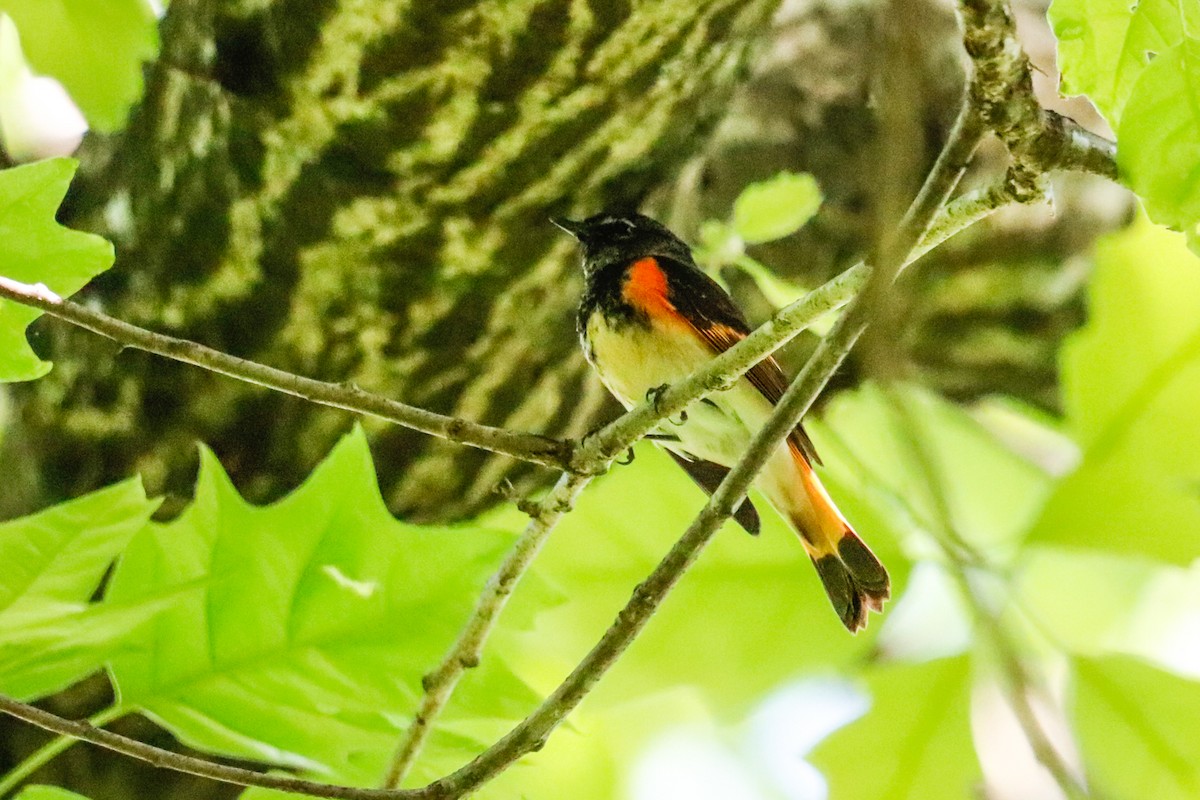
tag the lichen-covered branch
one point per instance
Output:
(348, 397)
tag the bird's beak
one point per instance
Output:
(569, 225)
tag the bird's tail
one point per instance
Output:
(854, 578)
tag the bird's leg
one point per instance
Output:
(655, 393)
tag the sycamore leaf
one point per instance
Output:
(1158, 142)
(50, 634)
(39, 250)
(94, 47)
(1104, 46)
(915, 742)
(1137, 728)
(1130, 379)
(306, 625)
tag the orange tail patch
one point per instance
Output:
(854, 579)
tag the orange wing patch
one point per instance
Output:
(646, 288)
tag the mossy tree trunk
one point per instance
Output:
(359, 191)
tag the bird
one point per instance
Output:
(649, 316)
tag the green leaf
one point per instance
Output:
(307, 624)
(48, 793)
(1158, 142)
(775, 208)
(94, 47)
(39, 250)
(1130, 381)
(915, 742)
(1104, 46)
(1084, 600)
(50, 635)
(1137, 728)
(992, 494)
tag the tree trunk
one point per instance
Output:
(359, 191)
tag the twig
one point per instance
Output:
(468, 648)
(525, 446)
(197, 766)
(1002, 91)
(46, 753)
(1018, 684)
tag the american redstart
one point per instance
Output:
(649, 316)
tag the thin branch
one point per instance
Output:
(1018, 686)
(197, 766)
(439, 685)
(47, 752)
(348, 397)
(1002, 91)
(1066, 145)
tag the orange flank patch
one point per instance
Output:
(646, 288)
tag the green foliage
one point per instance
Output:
(39, 250)
(914, 743)
(50, 634)
(1104, 46)
(1140, 63)
(94, 47)
(48, 793)
(1158, 143)
(775, 208)
(1138, 729)
(990, 492)
(305, 626)
(763, 212)
(1130, 382)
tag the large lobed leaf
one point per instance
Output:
(305, 626)
(39, 250)
(1131, 379)
(50, 634)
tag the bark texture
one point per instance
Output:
(359, 191)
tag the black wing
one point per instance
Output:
(710, 310)
(708, 476)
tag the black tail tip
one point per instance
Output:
(855, 582)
